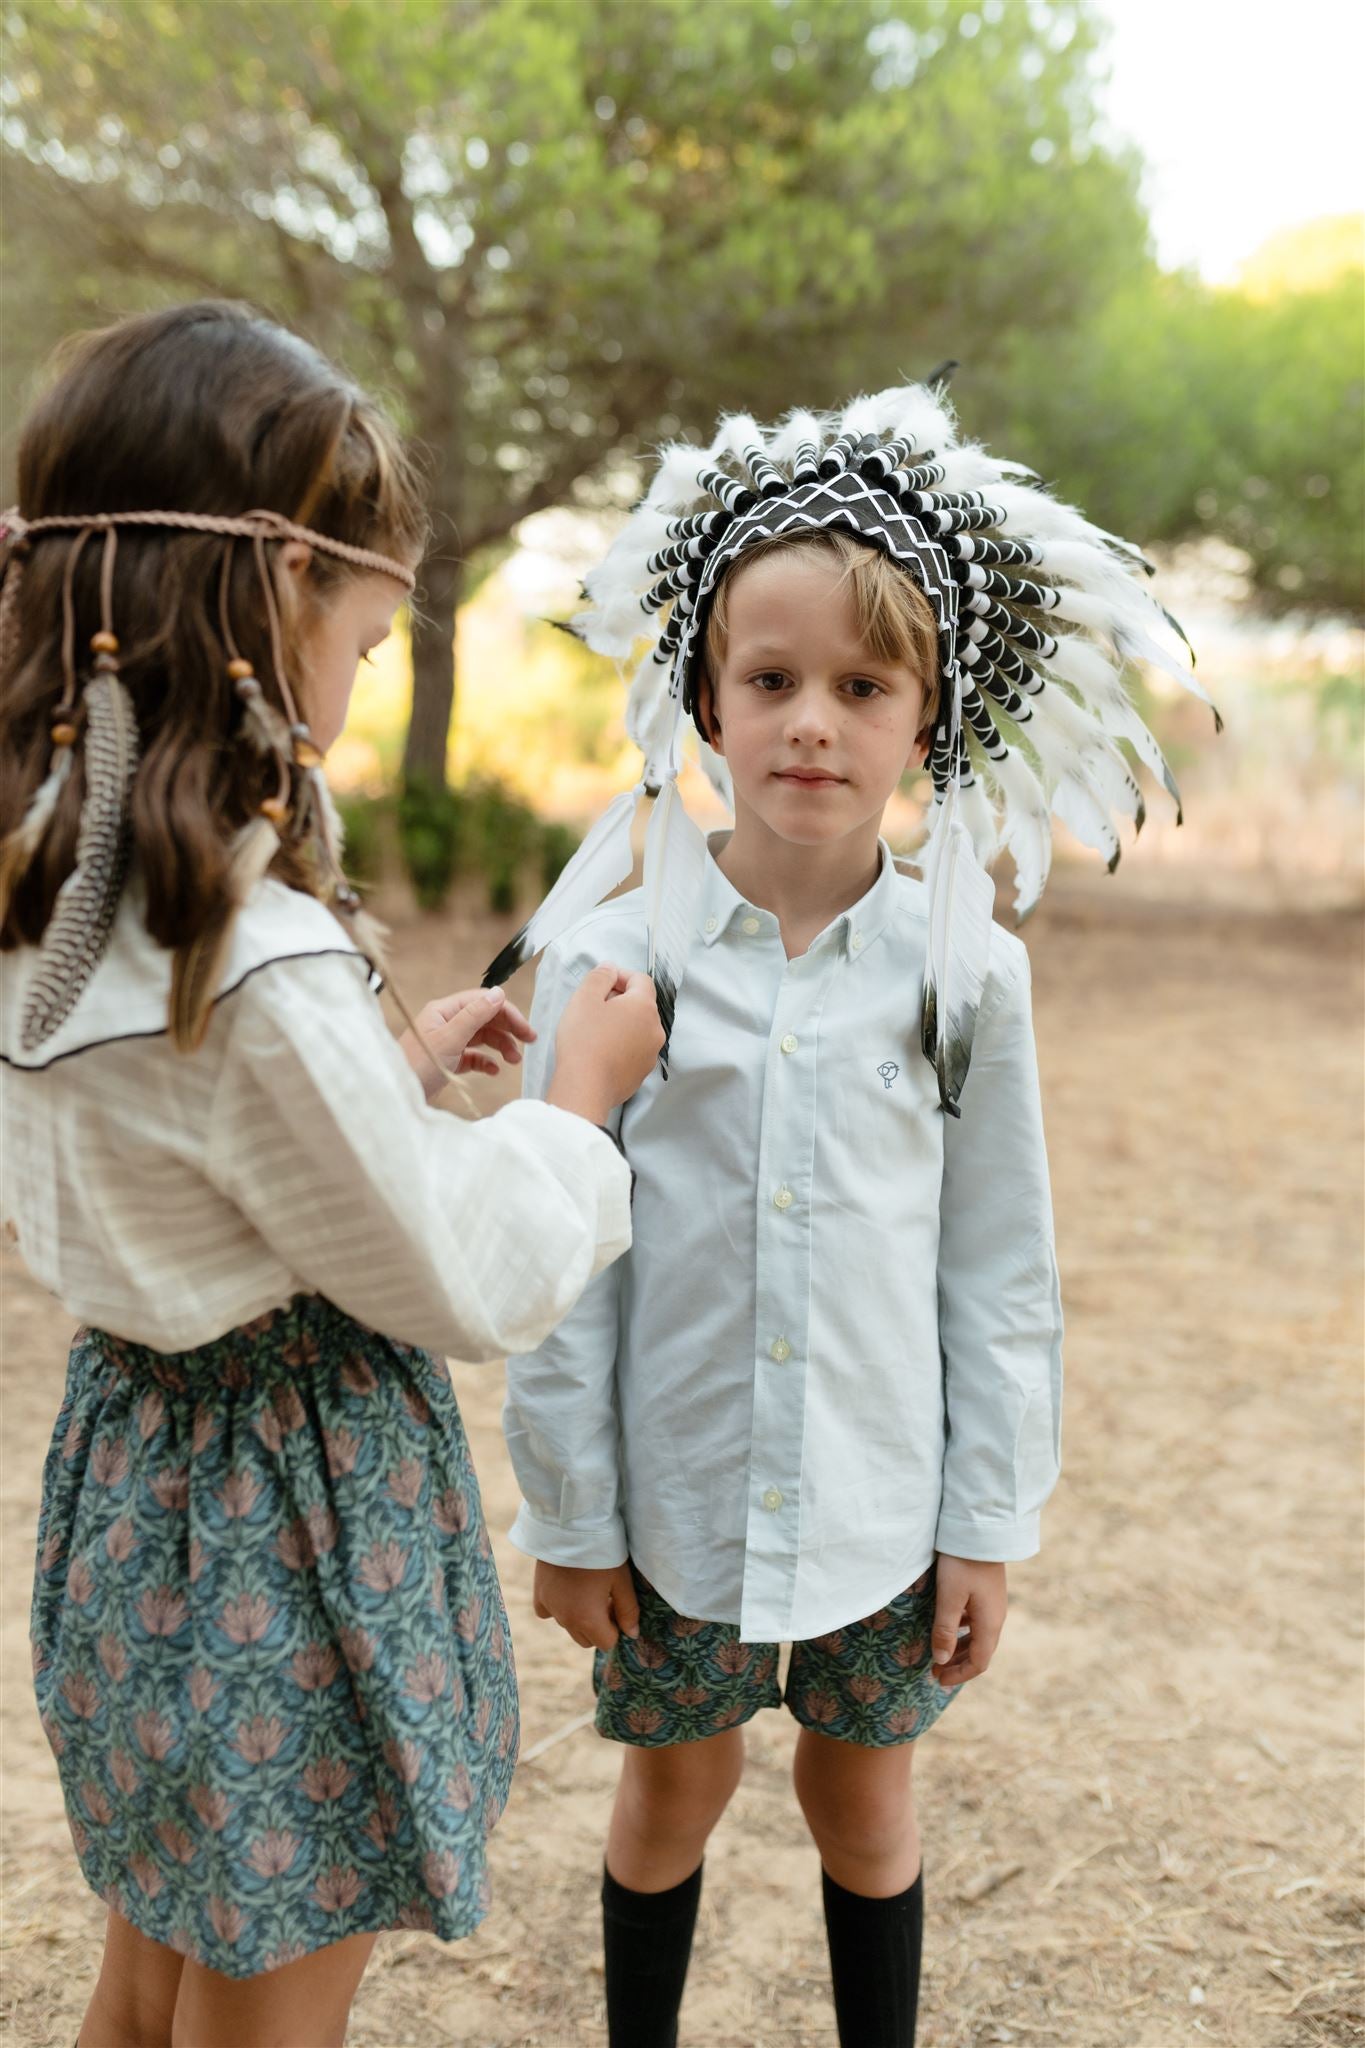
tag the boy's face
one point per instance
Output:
(816, 733)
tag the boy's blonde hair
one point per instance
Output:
(894, 619)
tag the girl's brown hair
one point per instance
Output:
(894, 619)
(205, 408)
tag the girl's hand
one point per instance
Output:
(972, 1593)
(456, 1025)
(594, 1607)
(608, 1039)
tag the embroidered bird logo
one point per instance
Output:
(888, 1071)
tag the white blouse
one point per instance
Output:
(835, 1345)
(168, 1198)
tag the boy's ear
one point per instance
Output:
(706, 713)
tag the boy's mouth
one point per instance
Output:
(809, 778)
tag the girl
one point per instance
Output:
(271, 1652)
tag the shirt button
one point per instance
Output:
(711, 923)
(750, 925)
(772, 1500)
(856, 942)
(789, 1043)
(780, 1349)
(782, 1199)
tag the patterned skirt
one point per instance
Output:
(270, 1648)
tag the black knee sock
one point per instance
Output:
(647, 1939)
(874, 1957)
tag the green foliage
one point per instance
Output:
(1183, 410)
(556, 231)
(365, 820)
(429, 837)
(558, 845)
(500, 836)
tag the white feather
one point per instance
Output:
(796, 430)
(737, 433)
(860, 416)
(616, 622)
(1027, 831)
(968, 469)
(961, 898)
(650, 713)
(921, 418)
(1080, 663)
(675, 487)
(675, 867)
(601, 864)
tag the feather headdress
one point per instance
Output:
(1038, 614)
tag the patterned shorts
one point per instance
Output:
(870, 1682)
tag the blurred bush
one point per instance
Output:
(366, 821)
(558, 845)
(479, 828)
(429, 840)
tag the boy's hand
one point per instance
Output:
(454, 1026)
(972, 1593)
(594, 1607)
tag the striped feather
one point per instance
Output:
(78, 929)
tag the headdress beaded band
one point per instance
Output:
(78, 929)
(1032, 718)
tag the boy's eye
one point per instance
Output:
(864, 687)
(770, 679)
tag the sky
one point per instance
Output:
(1249, 117)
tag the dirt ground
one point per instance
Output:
(1142, 1827)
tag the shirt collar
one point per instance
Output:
(856, 928)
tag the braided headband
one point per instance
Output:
(17, 530)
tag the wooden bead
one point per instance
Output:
(63, 735)
(275, 808)
(307, 754)
(104, 643)
(238, 669)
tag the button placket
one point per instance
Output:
(783, 1281)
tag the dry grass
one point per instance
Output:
(1142, 1828)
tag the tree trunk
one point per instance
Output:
(433, 665)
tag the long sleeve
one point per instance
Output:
(471, 1239)
(560, 1418)
(1000, 1322)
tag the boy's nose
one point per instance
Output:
(809, 724)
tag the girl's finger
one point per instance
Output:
(520, 1026)
(464, 1026)
(500, 1041)
(443, 1008)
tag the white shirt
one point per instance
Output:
(835, 1346)
(168, 1198)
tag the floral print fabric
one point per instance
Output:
(270, 1648)
(680, 1680)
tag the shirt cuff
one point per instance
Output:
(988, 1541)
(600, 1548)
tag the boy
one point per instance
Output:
(819, 1400)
